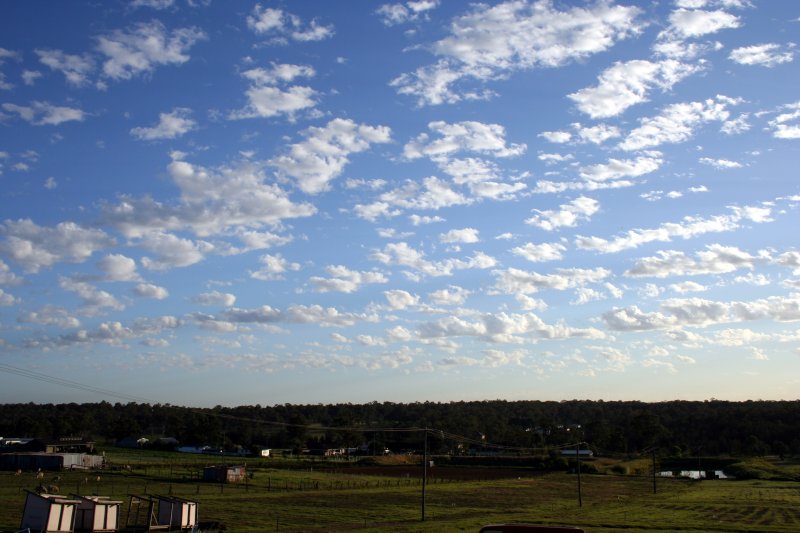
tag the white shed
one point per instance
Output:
(49, 513)
(176, 512)
(97, 514)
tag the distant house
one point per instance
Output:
(225, 474)
(264, 452)
(194, 449)
(49, 461)
(69, 445)
(583, 454)
(166, 443)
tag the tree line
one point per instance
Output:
(711, 427)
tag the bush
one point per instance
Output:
(620, 470)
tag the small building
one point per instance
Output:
(69, 445)
(49, 513)
(177, 512)
(264, 452)
(225, 474)
(49, 461)
(97, 514)
(583, 454)
(152, 513)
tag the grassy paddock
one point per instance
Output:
(305, 499)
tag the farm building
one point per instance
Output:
(225, 474)
(161, 512)
(583, 454)
(49, 513)
(49, 461)
(97, 514)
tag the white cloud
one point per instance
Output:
(504, 328)
(148, 290)
(720, 164)
(689, 23)
(626, 84)
(597, 134)
(281, 26)
(739, 337)
(465, 236)
(400, 299)
(765, 55)
(453, 295)
(239, 198)
(551, 158)
(319, 159)
(118, 267)
(76, 69)
(676, 123)
(569, 214)
(295, 314)
(46, 114)
(697, 312)
(716, 259)
(403, 255)
(6, 54)
(170, 126)
(548, 251)
(7, 299)
(36, 247)
(469, 136)
(736, 125)
(490, 42)
(172, 251)
(790, 260)
(401, 13)
(418, 220)
(558, 137)
(687, 286)
(28, 76)
(7, 277)
(267, 99)
(432, 193)
(621, 168)
(154, 4)
(398, 334)
(225, 299)
(273, 267)
(92, 298)
(143, 48)
(688, 228)
(516, 281)
(342, 279)
(50, 315)
(787, 125)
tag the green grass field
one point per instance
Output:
(304, 499)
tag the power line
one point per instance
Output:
(67, 383)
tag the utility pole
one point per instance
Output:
(578, 458)
(654, 470)
(424, 471)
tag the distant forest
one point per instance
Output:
(676, 427)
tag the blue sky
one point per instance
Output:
(208, 202)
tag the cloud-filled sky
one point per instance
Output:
(205, 202)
